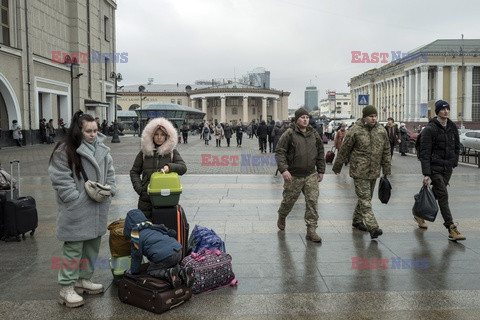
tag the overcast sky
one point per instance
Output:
(301, 42)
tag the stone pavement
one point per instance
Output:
(281, 276)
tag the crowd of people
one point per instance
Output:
(298, 146)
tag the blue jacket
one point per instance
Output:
(156, 242)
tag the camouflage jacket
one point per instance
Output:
(301, 153)
(369, 150)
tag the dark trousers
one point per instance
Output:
(239, 140)
(263, 144)
(185, 137)
(228, 142)
(439, 188)
(392, 146)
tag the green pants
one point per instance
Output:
(78, 258)
(363, 211)
(291, 190)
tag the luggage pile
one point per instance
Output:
(18, 215)
(203, 254)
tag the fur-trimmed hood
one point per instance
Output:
(148, 147)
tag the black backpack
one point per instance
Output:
(417, 142)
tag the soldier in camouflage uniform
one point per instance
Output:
(368, 146)
(301, 161)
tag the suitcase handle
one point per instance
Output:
(18, 178)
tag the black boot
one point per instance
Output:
(172, 276)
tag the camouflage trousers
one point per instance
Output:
(291, 190)
(363, 211)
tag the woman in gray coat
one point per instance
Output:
(81, 221)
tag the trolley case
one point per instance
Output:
(19, 214)
(330, 156)
(150, 293)
(174, 218)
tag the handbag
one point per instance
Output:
(425, 205)
(96, 191)
(384, 190)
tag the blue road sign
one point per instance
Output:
(363, 99)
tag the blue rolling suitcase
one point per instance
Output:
(19, 213)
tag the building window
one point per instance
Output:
(4, 26)
(339, 103)
(172, 101)
(234, 102)
(476, 94)
(253, 110)
(107, 69)
(215, 111)
(179, 101)
(234, 110)
(106, 28)
(345, 103)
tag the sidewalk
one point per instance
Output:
(280, 274)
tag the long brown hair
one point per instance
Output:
(73, 140)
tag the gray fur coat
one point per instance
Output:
(80, 218)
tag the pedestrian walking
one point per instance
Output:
(157, 152)
(239, 134)
(185, 128)
(270, 135)
(368, 148)
(439, 152)
(404, 140)
(50, 132)
(262, 133)
(228, 133)
(81, 221)
(219, 134)
(206, 133)
(17, 133)
(393, 134)
(277, 132)
(301, 161)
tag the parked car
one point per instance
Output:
(470, 140)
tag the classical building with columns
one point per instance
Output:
(407, 89)
(231, 102)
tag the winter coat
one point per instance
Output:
(339, 136)
(240, 130)
(369, 151)
(439, 147)
(270, 132)
(206, 133)
(50, 129)
(16, 131)
(392, 132)
(405, 138)
(262, 131)
(278, 130)
(156, 242)
(218, 132)
(151, 159)
(228, 132)
(79, 217)
(301, 153)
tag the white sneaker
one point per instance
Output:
(70, 298)
(84, 285)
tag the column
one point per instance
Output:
(453, 92)
(424, 86)
(408, 94)
(192, 103)
(275, 110)
(245, 110)
(264, 109)
(204, 106)
(467, 111)
(417, 94)
(439, 84)
(222, 109)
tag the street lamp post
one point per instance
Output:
(116, 77)
(71, 62)
(141, 89)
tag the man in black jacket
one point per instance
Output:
(439, 151)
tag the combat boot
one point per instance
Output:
(453, 233)
(69, 297)
(312, 235)
(84, 285)
(421, 222)
(374, 233)
(281, 223)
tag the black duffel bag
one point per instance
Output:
(384, 189)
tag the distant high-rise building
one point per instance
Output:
(311, 98)
(259, 77)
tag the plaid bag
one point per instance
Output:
(212, 269)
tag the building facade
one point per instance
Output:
(38, 80)
(407, 89)
(232, 102)
(336, 105)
